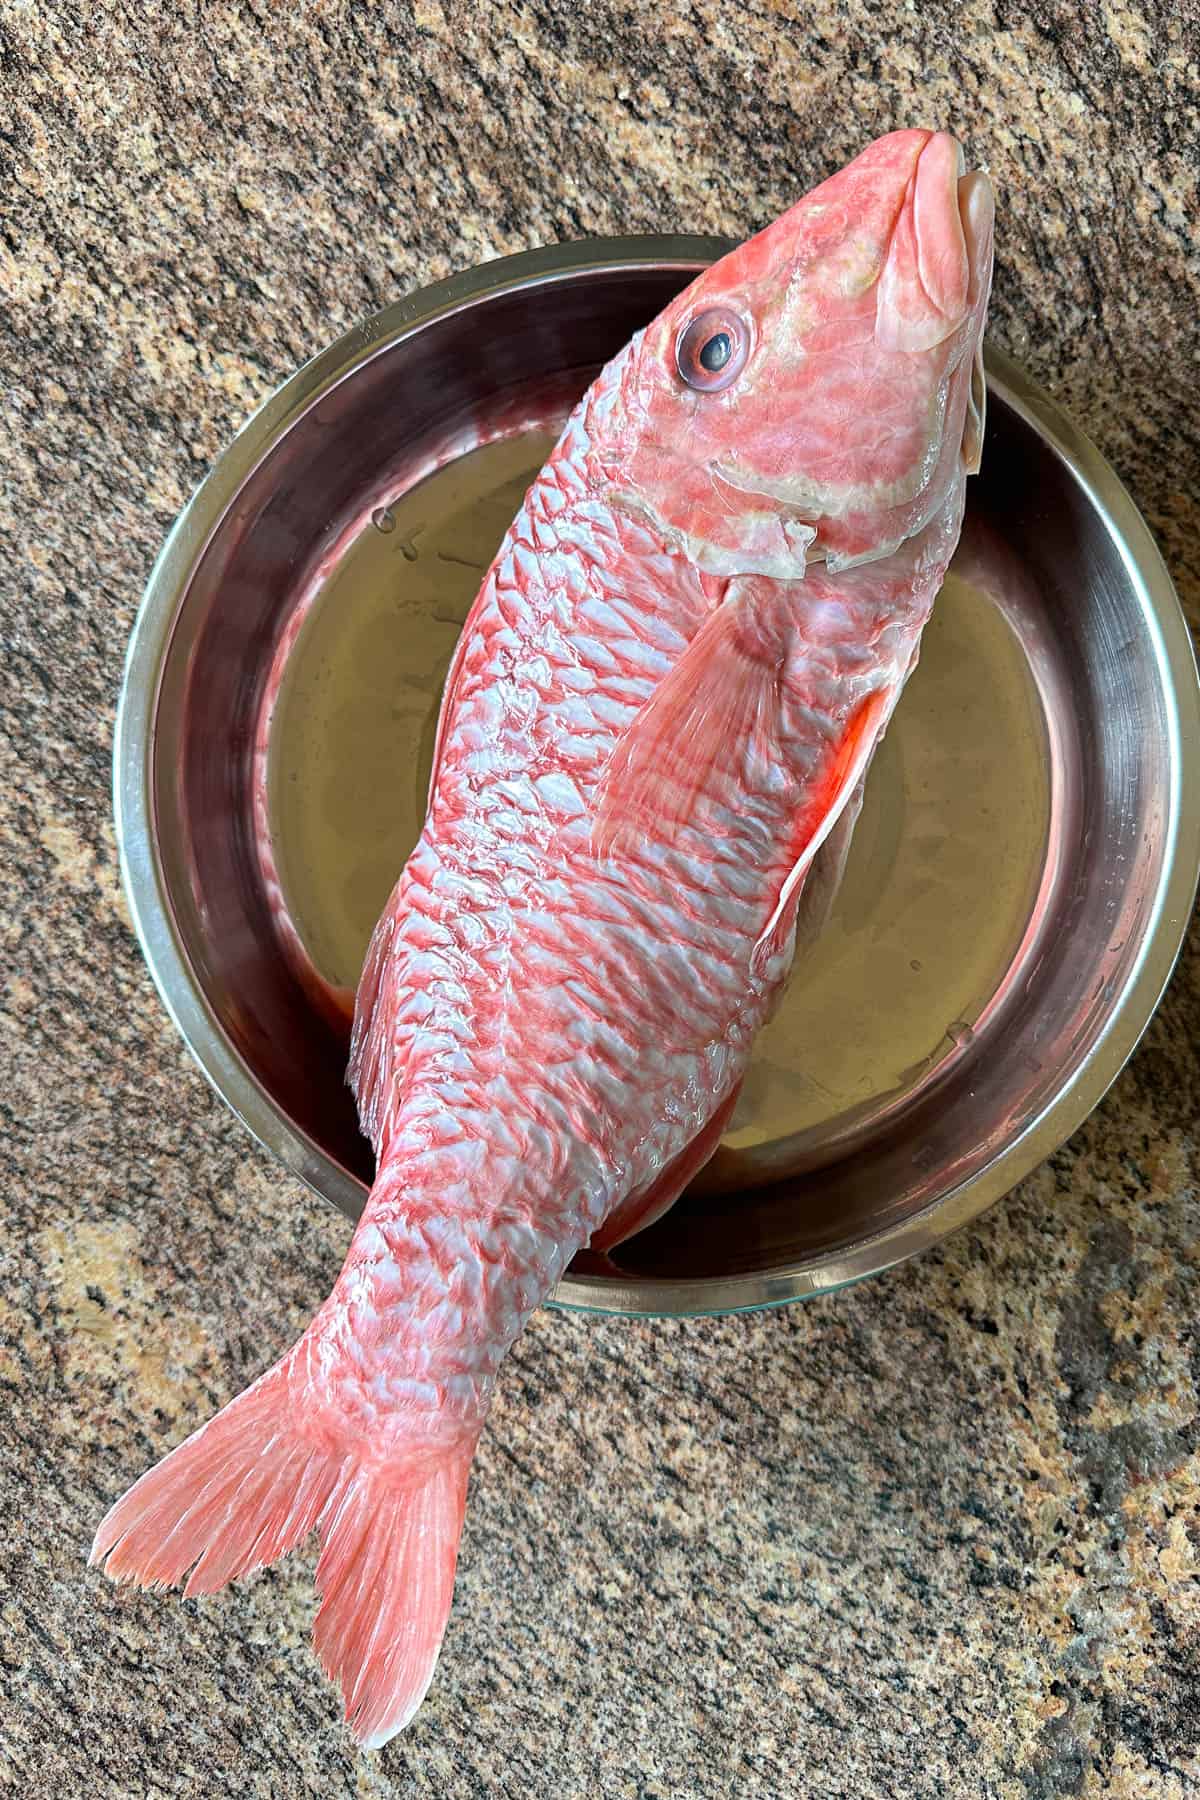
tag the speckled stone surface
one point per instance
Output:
(938, 1535)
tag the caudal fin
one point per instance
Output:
(250, 1485)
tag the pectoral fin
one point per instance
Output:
(720, 701)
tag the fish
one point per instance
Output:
(662, 707)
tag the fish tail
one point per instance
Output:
(250, 1485)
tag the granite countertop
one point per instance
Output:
(938, 1535)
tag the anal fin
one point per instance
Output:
(645, 1204)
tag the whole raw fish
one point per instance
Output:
(665, 697)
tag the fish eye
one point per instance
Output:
(711, 350)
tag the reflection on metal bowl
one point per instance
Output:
(1018, 884)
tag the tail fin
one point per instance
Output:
(250, 1485)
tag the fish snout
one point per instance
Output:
(929, 274)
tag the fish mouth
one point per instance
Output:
(971, 205)
(977, 214)
(974, 209)
(976, 217)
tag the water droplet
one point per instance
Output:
(959, 1032)
(915, 966)
(408, 549)
(382, 519)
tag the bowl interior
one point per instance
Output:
(500, 364)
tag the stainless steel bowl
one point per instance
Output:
(1069, 592)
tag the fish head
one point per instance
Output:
(817, 394)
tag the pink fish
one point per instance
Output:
(662, 704)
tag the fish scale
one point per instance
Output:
(574, 931)
(664, 701)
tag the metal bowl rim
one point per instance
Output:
(164, 951)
